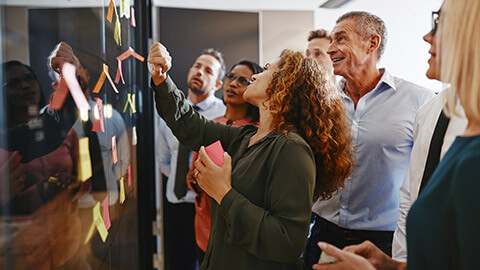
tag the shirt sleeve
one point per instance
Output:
(278, 231)
(467, 207)
(162, 148)
(189, 127)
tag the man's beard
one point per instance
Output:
(195, 89)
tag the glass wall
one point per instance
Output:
(73, 136)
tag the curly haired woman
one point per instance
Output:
(262, 195)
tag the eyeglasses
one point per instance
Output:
(243, 81)
(435, 21)
(17, 82)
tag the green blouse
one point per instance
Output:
(263, 221)
(443, 225)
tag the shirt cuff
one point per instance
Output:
(227, 202)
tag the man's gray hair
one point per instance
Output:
(368, 25)
(219, 56)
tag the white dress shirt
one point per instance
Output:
(424, 126)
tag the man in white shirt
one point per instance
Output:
(173, 160)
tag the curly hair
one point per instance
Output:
(302, 97)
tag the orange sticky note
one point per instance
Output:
(119, 72)
(132, 21)
(59, 95)
(106, 214)
(111, 6)
(101, 81)
(98, 125)
(114, 149)
(122, 191)
(129, 175)
(68, 72)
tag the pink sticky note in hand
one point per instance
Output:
(215, 153)
(68, 72)
(106, 214)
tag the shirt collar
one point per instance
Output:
(205, 104)
(386, 78)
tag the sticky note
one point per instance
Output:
(326, 259)
(117, 32)
(215, 153)
(68, 72)
(136, 55)
(111, 6)
(106, 214)
(98, 125)
(90, 233)
(131, 101)
(84, 163)
(59, 95)
(132, 19)
(122, 190)
(101, 80)
(129, 175)
(119, 72)
(134, 135)
(125, 9)
(99, 223)
(114, 149)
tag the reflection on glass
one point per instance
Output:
(60, 186)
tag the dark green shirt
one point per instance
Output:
(443, 225)
(263, 221)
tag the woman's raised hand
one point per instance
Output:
(159, 62)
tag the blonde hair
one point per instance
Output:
(459, 38)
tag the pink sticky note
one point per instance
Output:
(215, 153)
(136, 55)
(119, 72)
(129, 175)
(106, 214)
(98, 125)
(132, 18)
(59, 95)
(114, 149)
(68, 72)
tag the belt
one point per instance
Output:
(352, 234)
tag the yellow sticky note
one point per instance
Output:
(84, 163)
(117, 33)
(131, 101)
(90, 233)
(125, 9)
(99, 223)
(122, 190)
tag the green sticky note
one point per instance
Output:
(99, 223)
(117, 33)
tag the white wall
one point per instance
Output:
(283, 30)
(407, 22)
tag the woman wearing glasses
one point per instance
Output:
(262, 195)
(238, 113)
(442, 225)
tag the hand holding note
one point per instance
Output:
(214, 180)
(159, 62)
